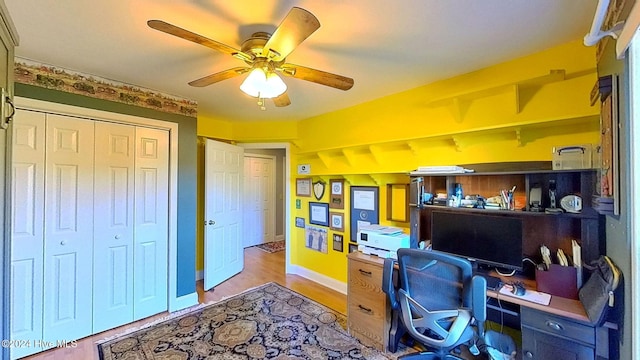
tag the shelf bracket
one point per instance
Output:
(349, 155)
(519, 137)
(414, 148)
(457, 142)
(459, 108)
(325, 158)
(377, 153)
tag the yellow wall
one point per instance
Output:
(514, 111)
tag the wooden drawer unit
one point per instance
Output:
(547, 336)
(367, 303)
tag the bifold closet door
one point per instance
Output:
(151, 233)
(113, 225)
(68, 233)
(27, 230)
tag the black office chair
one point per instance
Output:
(438, 302)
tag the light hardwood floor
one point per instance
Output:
(259, 267)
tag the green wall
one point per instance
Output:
(618, 238)
(187, 177)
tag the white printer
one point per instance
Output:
(383, 241)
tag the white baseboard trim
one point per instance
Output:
(183, 302)
(199, 275)
(279, 237)
(324, 280)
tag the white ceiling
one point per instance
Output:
(385, 46)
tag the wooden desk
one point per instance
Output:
(560, 330)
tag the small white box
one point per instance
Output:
(572, 157)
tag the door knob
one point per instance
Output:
(117, 237)
(63, 242)
(211, 222)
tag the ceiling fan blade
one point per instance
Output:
(198, 39)
(222, 75)
(293, 30)
(282, 100)
(317, 76)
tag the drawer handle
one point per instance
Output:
(554, 325)
(365, 309)
(364, 272)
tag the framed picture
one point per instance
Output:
(303, 187)
(353, 247)
(316, 239)
(337, 242)
(300, 222)
(337, 221)
(364, 208)
(319, 213)
(336, 200)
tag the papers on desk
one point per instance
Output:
(530, 295)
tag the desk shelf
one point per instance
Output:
(539, 228)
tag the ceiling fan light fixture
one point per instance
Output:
(274, 86)
(263, 85)
(254, 83)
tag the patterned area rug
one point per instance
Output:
(272, 247)
(268, 322)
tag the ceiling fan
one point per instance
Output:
(265, 55)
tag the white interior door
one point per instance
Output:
(259, 200)
(223, 251)
(151, 222)
(68, 245)
(27, 229)
(113, 226)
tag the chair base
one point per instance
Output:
(429, 355)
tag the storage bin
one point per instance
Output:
(572, 157)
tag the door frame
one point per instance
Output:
(287, 192)
(174, 302)
(273, 185)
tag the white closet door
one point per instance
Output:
(68, 246)
(27, 229)
(113, 226)
(151, 222)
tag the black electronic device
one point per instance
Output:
(485, 239)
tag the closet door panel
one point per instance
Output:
(27, 231)
(113, 225)
(68, 245)
(151, 222)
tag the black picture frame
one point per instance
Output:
(319, 213)
(353, 248)
(365, 208)
(300, 222)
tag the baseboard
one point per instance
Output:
(199, 275)
(279, 238)
(323, 280)
(183, 302)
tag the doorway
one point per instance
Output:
(282, 189)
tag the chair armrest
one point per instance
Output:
(479, 298)
(387, 283)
